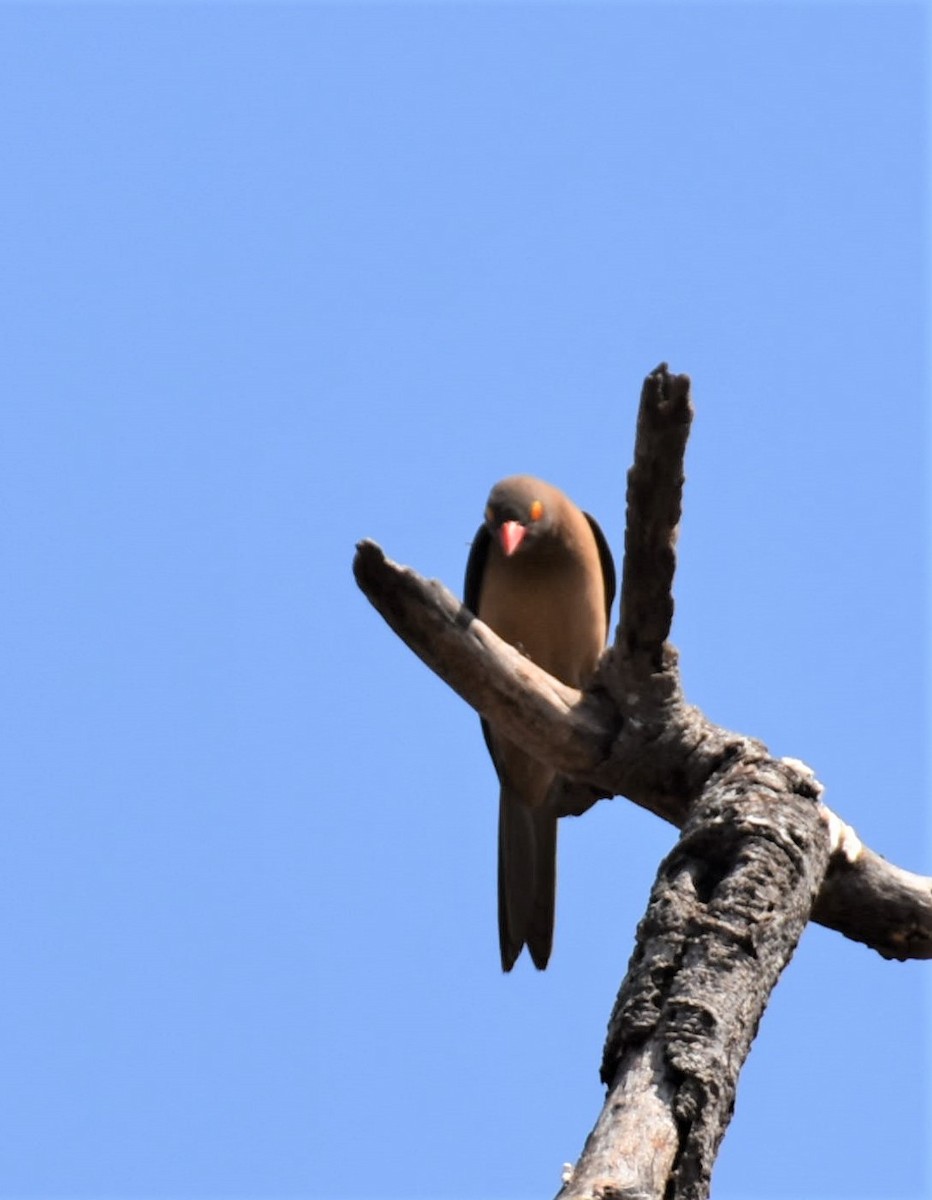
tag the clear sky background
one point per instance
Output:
(276, 277)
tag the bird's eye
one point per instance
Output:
(536, 510)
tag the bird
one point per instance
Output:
(540, 574)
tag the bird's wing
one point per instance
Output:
(608, 566)
(475, 568)
(472, 589)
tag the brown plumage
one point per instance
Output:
(540, 574)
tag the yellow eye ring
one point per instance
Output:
(536, 510)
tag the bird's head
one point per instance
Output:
(519, 513)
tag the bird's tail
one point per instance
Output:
(527, 880)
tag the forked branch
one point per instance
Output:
(862, 895)
(758, 856)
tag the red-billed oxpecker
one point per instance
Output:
(540, 574)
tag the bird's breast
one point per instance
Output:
(555, 616)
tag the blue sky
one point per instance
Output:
(281, 276)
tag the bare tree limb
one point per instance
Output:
(554, 721)
(655, 490)
(726, 911)
(862, 896)
(758, 854)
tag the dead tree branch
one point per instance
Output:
(862, 896)
(725, 914)
(758, 856)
